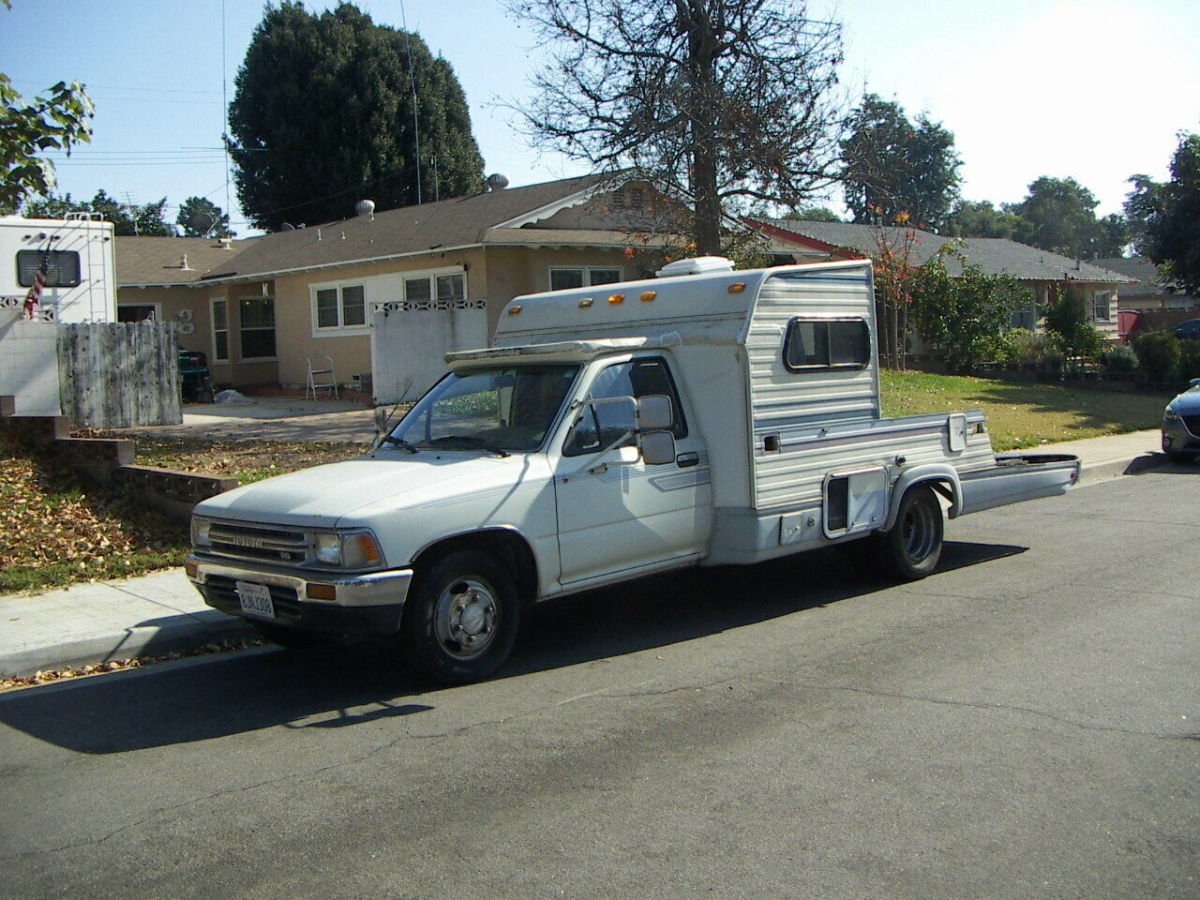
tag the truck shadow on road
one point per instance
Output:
(362, 683)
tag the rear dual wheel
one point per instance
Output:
(913, 547)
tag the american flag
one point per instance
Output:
(35, 291)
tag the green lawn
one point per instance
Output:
(1023, 415)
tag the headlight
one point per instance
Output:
(349, 550)
(200, 532)
(1169, 415)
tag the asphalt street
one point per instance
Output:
(1024, 723)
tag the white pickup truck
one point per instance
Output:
(706, 417)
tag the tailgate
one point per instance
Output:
(1015, 478)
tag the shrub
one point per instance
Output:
(1119, 360)
(1189, 360)
(1158, 353)
(1038, 350)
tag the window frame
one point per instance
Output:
(585, 276)
(1105, 298)
(340, 328)
(55, 269)
(243, 328)
(155, 311)
(214, 330)
(828, 365)
(679, 425)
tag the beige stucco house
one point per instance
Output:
(261, 307)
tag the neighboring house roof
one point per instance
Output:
(994, 256)
(1149, 282)
(503, 217)
(151, 261)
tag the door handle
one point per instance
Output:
(687, 460)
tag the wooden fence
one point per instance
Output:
(117, 375)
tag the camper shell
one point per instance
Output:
(705, 417)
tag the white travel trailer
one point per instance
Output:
(707, 417)
(75, 258)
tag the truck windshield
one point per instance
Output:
(500, 410)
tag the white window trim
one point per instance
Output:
(1108, 305)
(371, 286)
(212, 331)
(242, 328)
(587, 274)
(339, 330)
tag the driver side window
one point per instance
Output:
(599, 426)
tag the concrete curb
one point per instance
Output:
(180, 634)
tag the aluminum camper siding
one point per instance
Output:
(94, 299)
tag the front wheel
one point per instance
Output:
(461, 621)
(914, 545)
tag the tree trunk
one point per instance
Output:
(703, 93)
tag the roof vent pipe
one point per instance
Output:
(497, 182)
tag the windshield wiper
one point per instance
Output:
(400, 442)
(472, 442)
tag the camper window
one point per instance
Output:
(61, 267)
(813, 344)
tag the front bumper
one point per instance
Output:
(1177, 439)
(361, 604)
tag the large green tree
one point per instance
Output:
(1167, 217)
(979, 218)
(200, 217)
(323, 116)
(723, 101)
(896, 170)
(127, 219)
(1058, 214)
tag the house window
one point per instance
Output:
(61, 267)
(1024, 318)
(220, 330)
(1100, 306)
(257, 318)
(562, 279)
(341, 307)
(447, 287)
(137, 312)
(813, 344)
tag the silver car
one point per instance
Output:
(1181, 425)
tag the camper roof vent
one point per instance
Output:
(699, 265)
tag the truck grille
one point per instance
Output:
(221, 593)
(268, 543)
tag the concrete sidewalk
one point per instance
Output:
(161, 613)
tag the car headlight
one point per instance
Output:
(201, 529)
(1169, 415)
(348, 549)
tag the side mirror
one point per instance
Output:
(657, 447)
(654, 412)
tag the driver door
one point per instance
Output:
(616, 516)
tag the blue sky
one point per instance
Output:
(1093, 90)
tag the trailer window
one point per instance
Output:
(826, 344)
(60, 268)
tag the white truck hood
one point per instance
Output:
(325, 496)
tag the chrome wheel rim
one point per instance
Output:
(465, 617)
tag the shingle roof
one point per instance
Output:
(994, 256)
(1149, 280)
(407, 231)
(144, 261)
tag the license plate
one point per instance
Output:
(255, 599)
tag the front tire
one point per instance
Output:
(913, 547)
(461, 621)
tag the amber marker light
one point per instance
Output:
(737, 287)
(514, 310)
(191, 569)
(616, 298)
(647, 296)
(320, 591)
